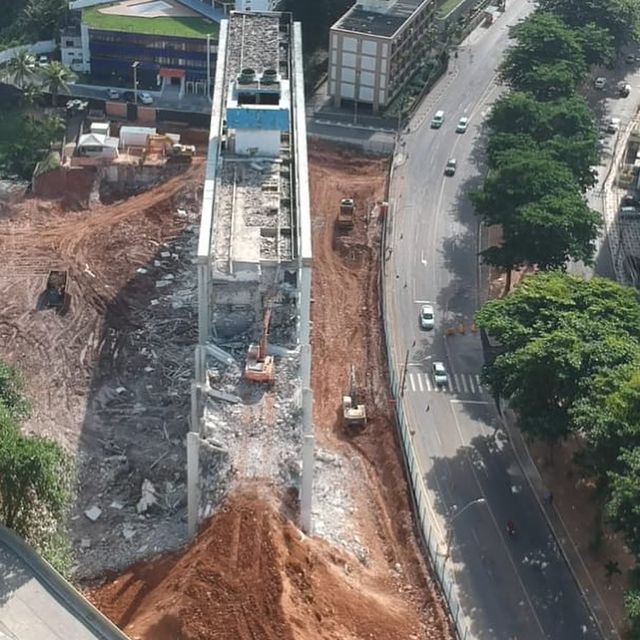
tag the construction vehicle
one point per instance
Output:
(354, 414)
(260, 366)
(55, 295)
(346, 214)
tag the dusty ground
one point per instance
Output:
(251, 574)
(108, 373)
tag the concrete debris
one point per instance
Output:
(128, 532)
(181, 213)
(142, 270)
(85, 543)
(221, 395)
(220, 354)
(148, 497)
(116, 504)
(93, 513)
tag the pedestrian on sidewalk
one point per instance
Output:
(548, 498)
(426, 410)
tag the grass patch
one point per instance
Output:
(447, 7)
(191, 27)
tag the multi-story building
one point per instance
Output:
(174, 43)
(375, 48)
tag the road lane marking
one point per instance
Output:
(479, 382)
(422, 302)
(458, 401)
(463, 383)
(419, 377)
(472, 388)
(454, 380)
(411, 382)
(427, 381)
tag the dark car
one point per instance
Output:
(127, 96)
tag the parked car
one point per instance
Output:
(630, 201)
(440, 376)
(43, 60)
(463, 123)
(600, 83)
(613, 125)
(426, 317)
(630, 59)
(145, 98)
(624, 89)
(114, 94)
(437, 120)
(450, 169)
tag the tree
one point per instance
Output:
(623, 507)
(565, 128)
(559, 333)
(11, 392)
(598, 44)
(621, 18)
(547, 59)
(545, 221)
(20, 68)
(44, 17)
(632, 609)
(34, 483)
(56, 77)
(608, 414)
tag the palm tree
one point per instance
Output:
(31, 95)
(20, 68)
(56, 76)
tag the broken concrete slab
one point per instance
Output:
(148, 497)
(93, 513)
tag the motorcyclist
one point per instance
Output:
(511, 528)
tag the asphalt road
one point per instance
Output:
(509, 587)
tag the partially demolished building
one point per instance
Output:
(254, 252)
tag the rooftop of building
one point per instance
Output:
(254, 205)
(155, 17)
(383, 21)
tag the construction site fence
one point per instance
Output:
(432, 542)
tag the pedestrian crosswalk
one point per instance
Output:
(463, 383)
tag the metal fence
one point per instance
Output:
(432, 542)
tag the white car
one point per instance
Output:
(600, 83)
(439, 374)
(145, 98)
(613, 125)
(426, 317)
(463, 123)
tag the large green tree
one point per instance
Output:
(20, 69)
(620, 17)
(559, 334)
(623, 507)
(544, 219)
(547, 59)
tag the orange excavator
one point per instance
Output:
(260, 366)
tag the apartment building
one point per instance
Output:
(375, 48)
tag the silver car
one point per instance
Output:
(440, 376)
(427, 320)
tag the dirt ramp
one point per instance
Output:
(252, 575)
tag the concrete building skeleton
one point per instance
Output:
(254, 247)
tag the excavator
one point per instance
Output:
(354, 414)
(260, 366)
(346, 214)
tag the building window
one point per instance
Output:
(69, 43)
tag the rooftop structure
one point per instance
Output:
(254, 251)
(378, 18)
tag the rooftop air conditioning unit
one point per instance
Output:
(247, 76)
(269, 76)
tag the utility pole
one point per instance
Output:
(404, 371)
(134, 66)
(452, 520)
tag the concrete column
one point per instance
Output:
(193, 487)
(195, 408)
(204, 303)
(305, 377)
(308, 454)
(200, 365)
(305, 305)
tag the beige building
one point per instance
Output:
(375, 47)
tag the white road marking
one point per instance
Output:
(472, 387)
(421, 302)
(457, 401)
(480, 387)
(454, 380)
(419, 377)
(411, 382)
(463, 383)
(427, 381)
(422, 258)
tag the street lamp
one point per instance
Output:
(134, 66)
(452, 520)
